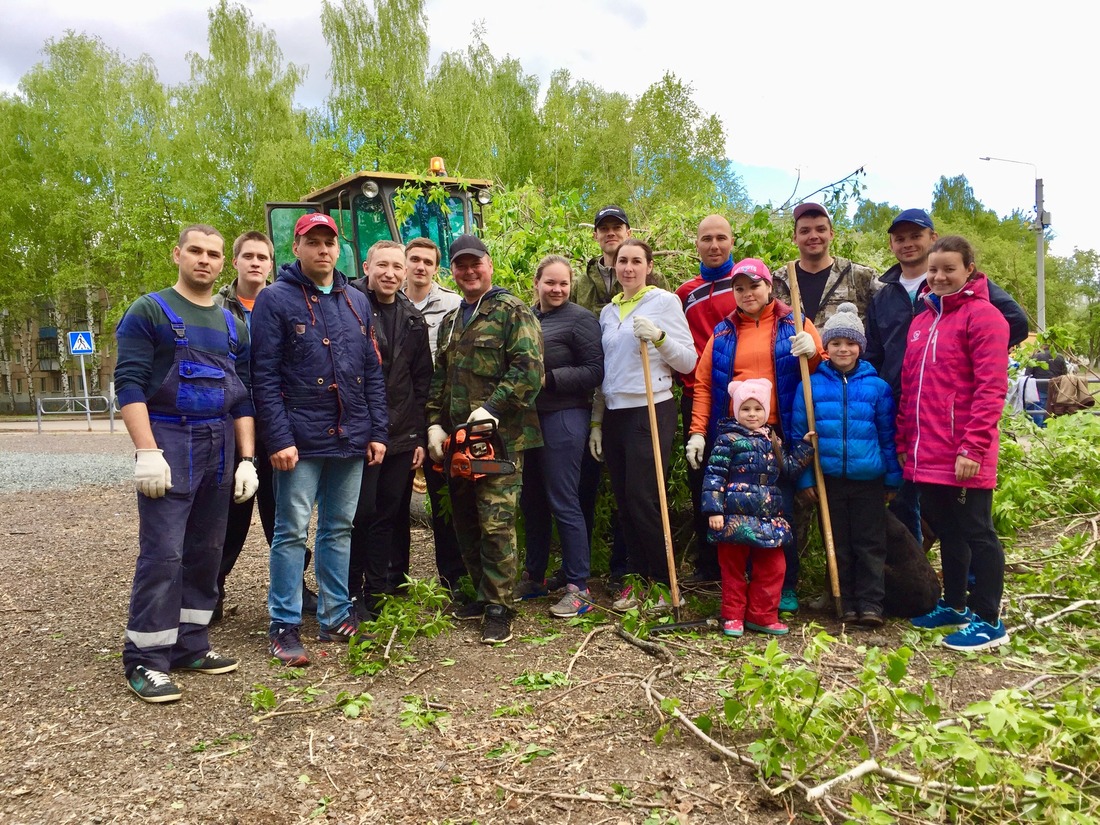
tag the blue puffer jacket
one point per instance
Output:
(740, 484)
(854, 415)
(787, 371)
(317, 376)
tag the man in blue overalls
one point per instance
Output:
(182, 379)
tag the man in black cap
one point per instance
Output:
(898, 299)
(489, 368)
(594, 289)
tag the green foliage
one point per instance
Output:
(262, 698)
(417, 712)
(418, 610)
(1045, 473)
(534, 680)
(353, 705)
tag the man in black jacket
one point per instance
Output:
(892, 309)
(380, 539)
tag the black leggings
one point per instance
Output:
(963, 520)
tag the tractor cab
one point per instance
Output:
(374, 206)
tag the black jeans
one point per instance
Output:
(240, 516)
(963, 520)
(706, 554)
(628, 451)
(448, 555)
(857, 511)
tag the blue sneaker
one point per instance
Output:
(788, 602)
(977, 635)
(943, 615)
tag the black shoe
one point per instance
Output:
(209, 662)
(871, 618)
(468, 612)
(309, 601)
(496, 627)
(362, 612)
(849, 617)
(702, 577)
(152, 685)
(557, 581)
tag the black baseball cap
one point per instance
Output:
(610, 211)
(467, 245)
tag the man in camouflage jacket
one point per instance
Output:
(490, 366)
(824, 282)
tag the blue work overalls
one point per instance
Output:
(180, 535)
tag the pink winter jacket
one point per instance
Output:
(953, 385)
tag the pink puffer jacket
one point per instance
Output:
(953, 385)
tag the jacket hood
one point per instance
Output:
(773, 309)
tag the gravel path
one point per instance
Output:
(30, 462)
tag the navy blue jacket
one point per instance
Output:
(317, 376)
(572, 355)
(854, 416)
(740, 483)
(891, 311)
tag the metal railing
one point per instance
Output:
(78, 405)
(1038, 411)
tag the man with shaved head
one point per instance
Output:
(707, 299)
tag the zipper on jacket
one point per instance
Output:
(920, 382)
(844, 405)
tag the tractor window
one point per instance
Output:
(347, 263)
(371, 224)
(280, 224)
(428, 221)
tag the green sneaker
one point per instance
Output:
(788, 602)
(209, 662)
(152, 685)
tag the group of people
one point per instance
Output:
(325, 393)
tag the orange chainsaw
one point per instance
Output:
(475, 450)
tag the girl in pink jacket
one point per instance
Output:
(953, 385)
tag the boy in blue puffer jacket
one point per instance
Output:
(854, 416)
(744, 508)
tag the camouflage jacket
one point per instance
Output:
(590, 292)
(495, 360)
(847, 281)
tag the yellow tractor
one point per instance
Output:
(375, 206)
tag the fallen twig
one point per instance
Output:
(584, 644)
(1050, 617)
(418, 674)
(652, 648)
(576, 797)
(603, 678)
(389, 644)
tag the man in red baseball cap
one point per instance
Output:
(320, 393)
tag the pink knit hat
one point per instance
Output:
(759, 389)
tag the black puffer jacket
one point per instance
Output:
(407, 366)
(572, 355)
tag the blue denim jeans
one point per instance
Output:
(551, 475)
(333, 483)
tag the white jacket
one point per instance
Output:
(623, 383)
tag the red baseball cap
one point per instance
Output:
(312, 220)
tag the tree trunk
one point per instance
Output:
(62, 349)
(96, 359)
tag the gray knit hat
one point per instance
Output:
(845, 324)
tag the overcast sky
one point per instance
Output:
(907, 91)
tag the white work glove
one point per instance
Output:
(646, 330)
(694, 449)
(482, 414)
(436, 436)
(595, 443)
(245, 482)
(152, 475)
(802, 343)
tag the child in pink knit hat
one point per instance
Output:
(743, 504)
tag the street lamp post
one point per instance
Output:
(1042, 221)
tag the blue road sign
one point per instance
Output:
(80, 343)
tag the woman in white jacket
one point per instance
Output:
(655, 317)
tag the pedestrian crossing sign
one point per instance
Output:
(80, 343)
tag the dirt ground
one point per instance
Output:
(76, 746)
